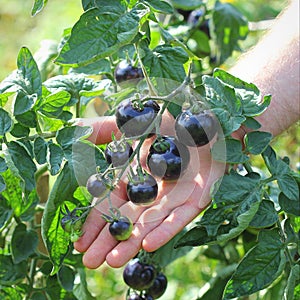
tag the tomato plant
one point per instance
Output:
(174, 50)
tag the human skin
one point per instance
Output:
(272, 65)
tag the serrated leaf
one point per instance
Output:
(266, 215)
(259, 267)
(165, 61)
(257, 141)
(99, 33)
(229, 150)
(55, 159)
(38, 6)
(68, 136)
(53, 235)
(233, 188)
(6, 122)
(277, 167)
(160, 6)
(11, 273)
(40, 150)
(24, 243)
(54, 104)
(251, 99)
(196, 236)
(230, 26)
(23, 163)
(30, 72)
(288, 185)
(76, 85)
(288, 205)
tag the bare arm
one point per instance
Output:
(273, 65)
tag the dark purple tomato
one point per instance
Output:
(195, 129)
(142, 189)
(125, 71)
(118, 153)
(139, 276)
(96, 185)
(121, 229)
(133, 118)
(159, 286)
(168, 158)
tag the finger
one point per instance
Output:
(105, 242)
(94, 222)
(103, 127)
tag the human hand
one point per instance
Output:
(177, 204)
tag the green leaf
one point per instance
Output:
(266, 215)
(165, 61)
(160, 6)
(288, 185)
(230, 26)
(66, 277)
(55, 239)
(99, 33)
(3, 165)
(6, 122)
(196, 236)
(98, 67)
(10, 293)
(15, 197)
(5, 211)
(30, 72)
(11, 273)
(2, 184)
(67, 136)
(85, 157)
(38, 6)
(81, 289)
(251, 100)
(251, 123)
(118, 6)
(229, 150)
(20, 131)
(23, 163)
(56, 156)
(27, 119)
(23, 243)
(288, 205)
(54, 104)
(234, 188)
(40, 150)
(187, 4)
(257, 141)
(4, 98)
(293, 280)
(77, 85)
(260, 266)
(277, 167)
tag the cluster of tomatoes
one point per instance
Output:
(167, 159)
(144, 280)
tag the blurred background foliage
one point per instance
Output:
(18, 28)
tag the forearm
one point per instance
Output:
(273, 65)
